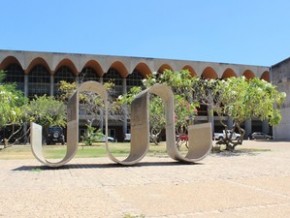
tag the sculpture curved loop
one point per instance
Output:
(139, 131)
(72, 126)
(199, 135)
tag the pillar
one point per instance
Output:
(26, 85)
(265, 127)
(210, 116)
(125, 122)
(51, 85)
(26, 95)
(248, 128)
(101, 124)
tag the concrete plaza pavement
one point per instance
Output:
(252, 183)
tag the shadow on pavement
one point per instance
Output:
(100, 166)
(242, 152)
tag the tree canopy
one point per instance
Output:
(242, 99)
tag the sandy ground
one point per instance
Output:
(253, 183)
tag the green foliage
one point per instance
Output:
(2, 76)
(242, 100)
(92, 135)
(46, 111)
(66, 90)
(185, 109)
(11, 101)
(157, 117)
(182, 84)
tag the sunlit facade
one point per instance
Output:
(280, 77)
(38, 73)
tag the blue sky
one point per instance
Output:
(255, 32)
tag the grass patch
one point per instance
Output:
(97, 150)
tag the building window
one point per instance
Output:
(134, 79)
(38, 81)
(88, 74)
(113, 76)
(15, 74)
(63, 73)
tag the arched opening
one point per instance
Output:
(228, 73)
(143, 70)
(248, 74)
(95, 66)
(37, 61)
(69, 64)
(209, 73)
(190, 69)
(8, 61)
(266, 76)
(120, 68)
(163, 67)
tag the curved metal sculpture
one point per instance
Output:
(199, 146)
(199, 135)
(139, 131)
(72, 126)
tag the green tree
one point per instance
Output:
(181, 83)
(242, 99)
(46, 111)
(10, 108)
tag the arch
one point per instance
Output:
(143, 69)
(120, 67)
(266, 76)
(8, 61)
(95, 66)
(248, 74)
(68, 63)
(190, 69)
(35, 62)
(229, 73)
(72, 125)
(209, 73)
(164, 67)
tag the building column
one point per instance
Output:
(25, 85)
(248, 128)
(210, 116)
(125, 117)
(51, 85)
(77, 81)
(26, 138)
(265, 127)
(101, 124)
